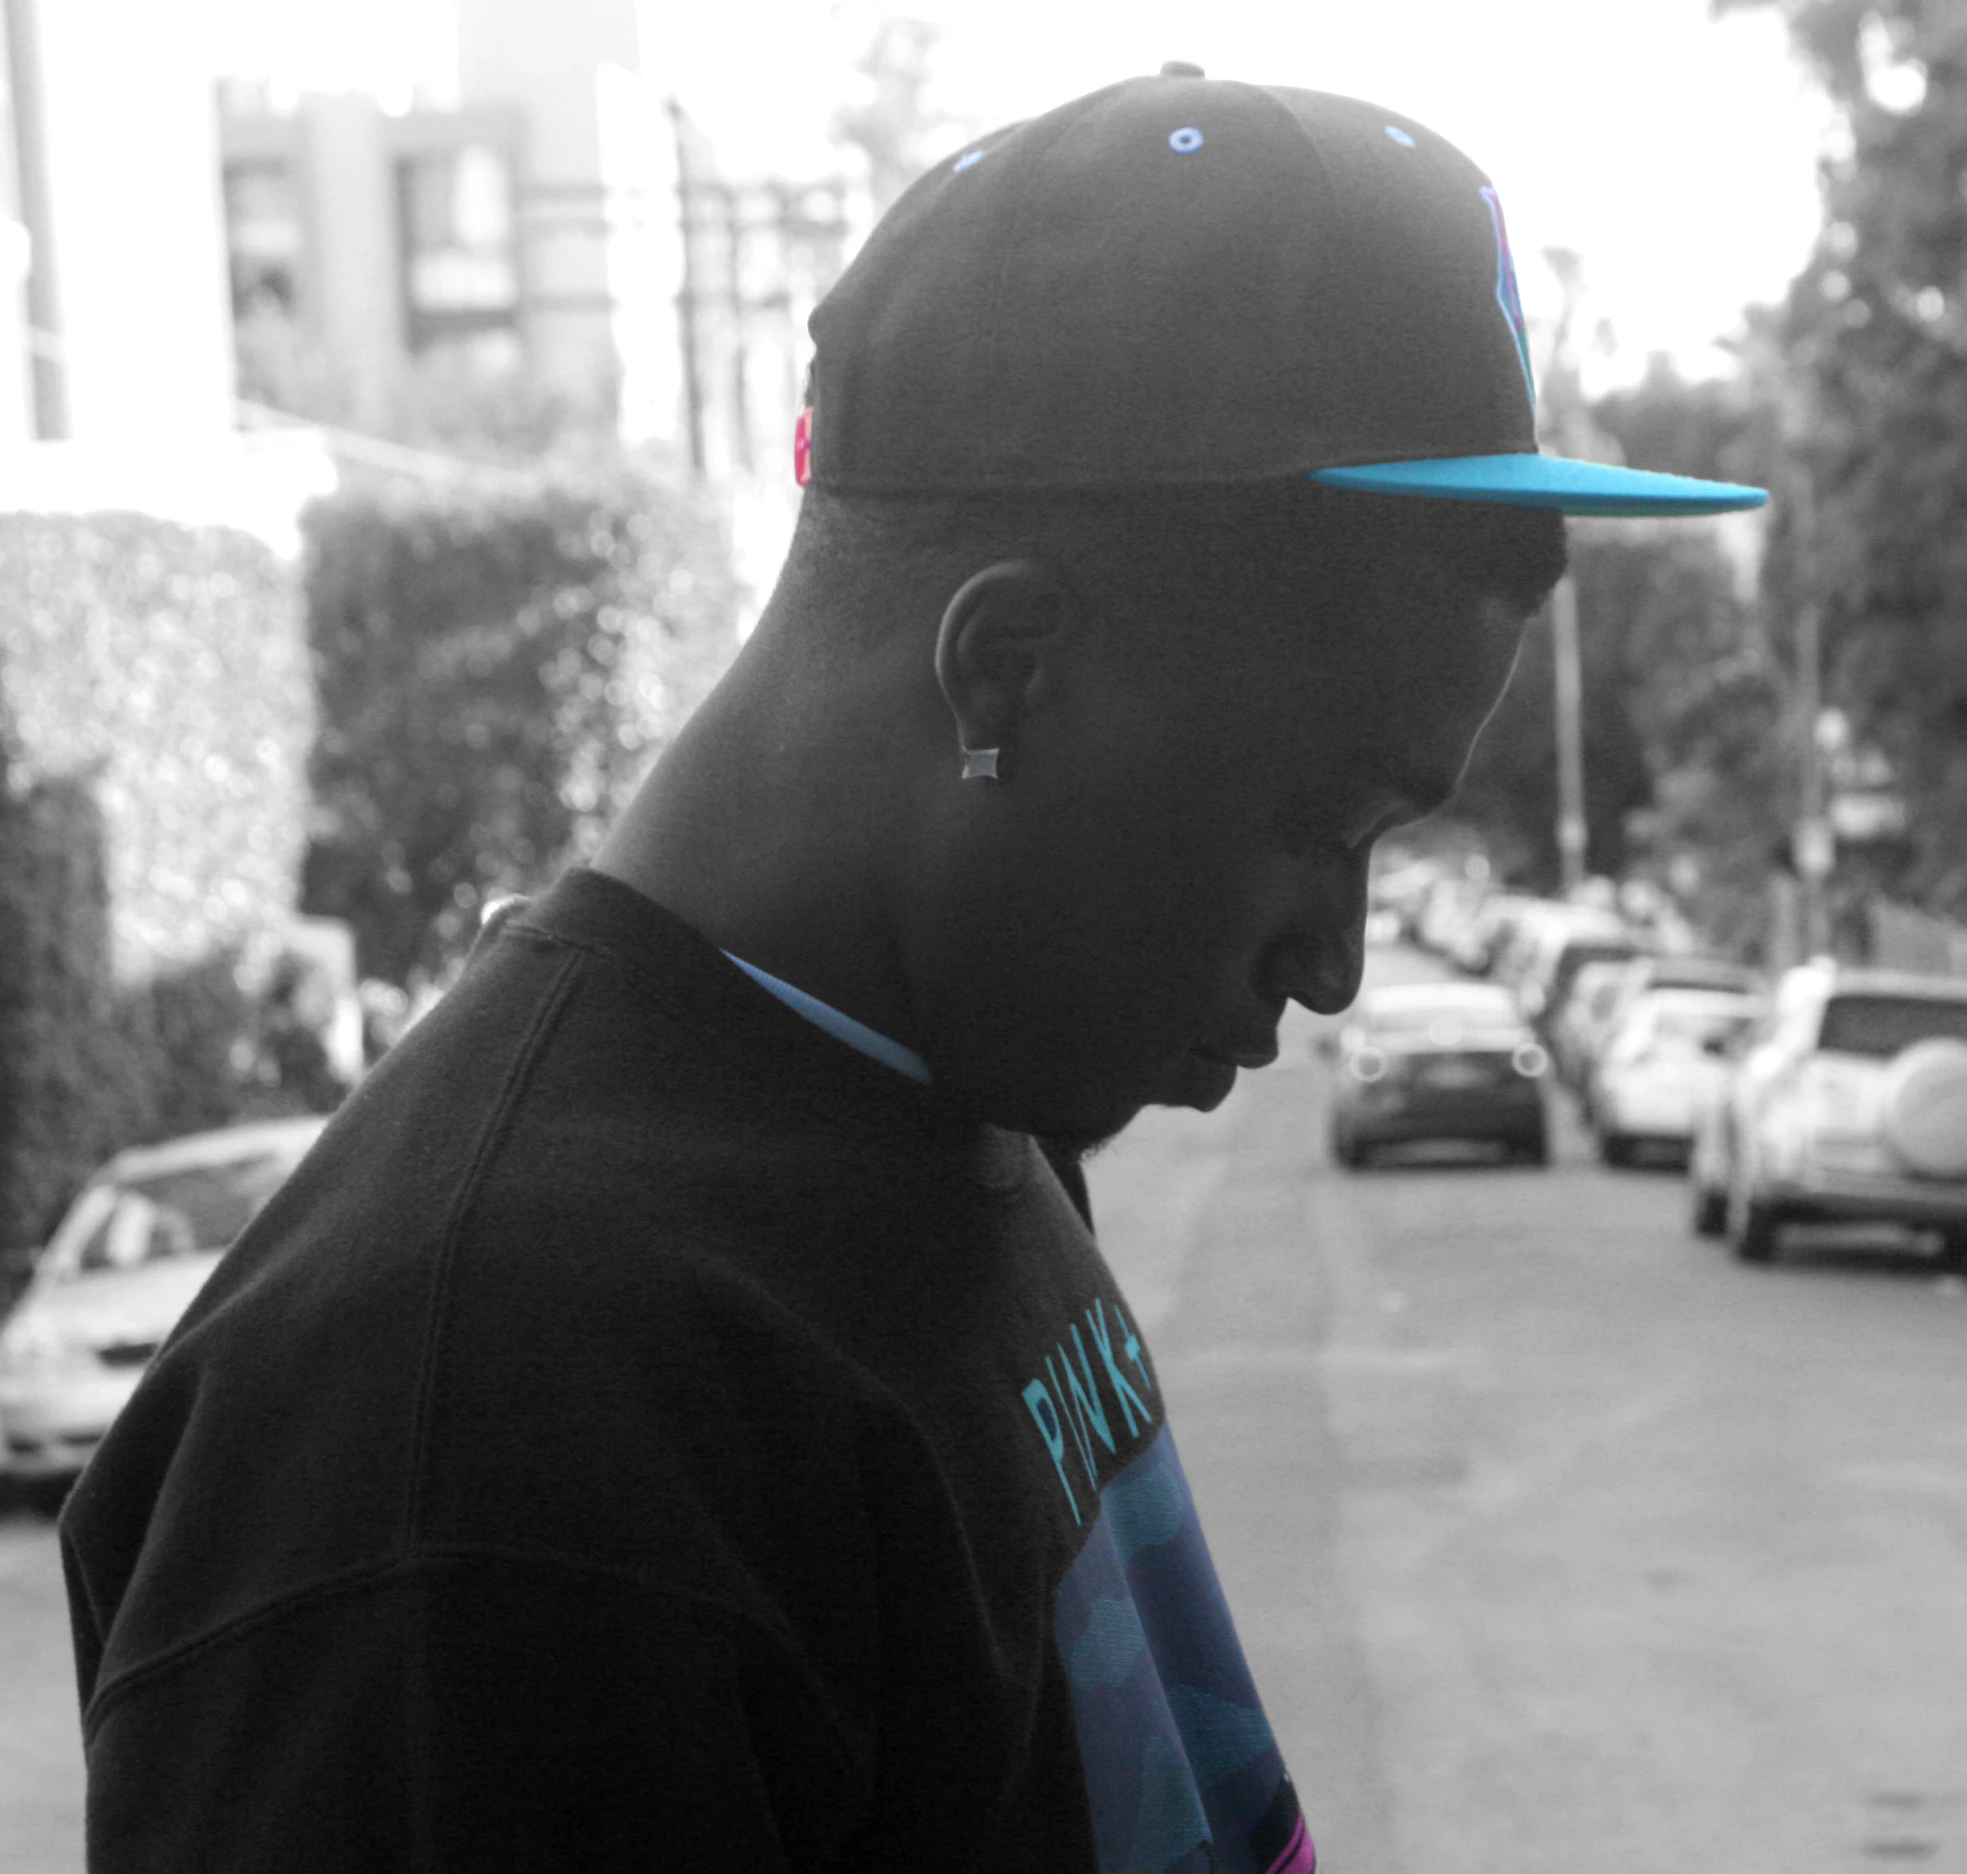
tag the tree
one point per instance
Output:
(1687, 776)
(1874, 337)
(1657, 613)
(895, 128)
(495, 669)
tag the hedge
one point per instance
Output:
(495, 669)
(166, 666)
(155, 715)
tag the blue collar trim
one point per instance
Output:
(842, 1027)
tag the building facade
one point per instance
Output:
(285, 283)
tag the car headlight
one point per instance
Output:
(32, 1340)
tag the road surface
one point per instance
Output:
(1560, 1543)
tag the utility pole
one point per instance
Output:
(732, 205)
(1573, 835)
(1811, 843)
(689, 300)
(21, 59)
(1571, 829)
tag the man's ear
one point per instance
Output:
(1000, 634)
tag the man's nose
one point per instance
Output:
(1320, 971)
(1320, 959)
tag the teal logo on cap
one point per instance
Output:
(1507, 297)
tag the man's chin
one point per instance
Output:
(1194, 1081)
(1081, 1120)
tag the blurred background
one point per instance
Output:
(396, 416)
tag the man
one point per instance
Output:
(678, 1417)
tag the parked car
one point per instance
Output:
(1663, 1062)
(1693, 970)
(1588, 1029)
(1447, 913)
(1488, 932)
(1850, 1105)
(132, 1250)
(1520, 936)
(1562, 948)
(1402, 887)
(1422, 1061)
(1575, 1035)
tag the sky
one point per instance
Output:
(1676, 154)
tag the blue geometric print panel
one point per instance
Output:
(1181, 1767)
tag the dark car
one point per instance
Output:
(1425, 1061)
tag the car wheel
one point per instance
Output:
(1752, 1228)
(1710, 1210)
(1614, 1148)
(1345, 1148)
(1534, 1150)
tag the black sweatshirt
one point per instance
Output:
(646, 1433)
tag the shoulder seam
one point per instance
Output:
(356, 1581)
(489, 1138)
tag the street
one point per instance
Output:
(1559, 1542)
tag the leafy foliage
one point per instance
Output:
(495, 668)
(165, 667)
(154, 720)
(1631, 593)
(895, 127)
(1686, 687)
(1875, 337)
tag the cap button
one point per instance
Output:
(1181, 68)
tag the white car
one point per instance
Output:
(1850, 1105)
(1662, 1062)
(124, 1263)
(1577, 1031)
(1556, 945)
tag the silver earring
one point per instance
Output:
(980, 764)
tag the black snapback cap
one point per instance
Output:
(1180, 280)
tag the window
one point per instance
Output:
(262, 236)
(1880, 1026)
(460, 272)
(180, 1213)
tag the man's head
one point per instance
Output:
(1180, 445)
(1208, 702)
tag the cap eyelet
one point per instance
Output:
(968, 160)
(1400, 136)
(1186, 140)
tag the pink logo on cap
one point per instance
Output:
(1507, 296)
(802, 447)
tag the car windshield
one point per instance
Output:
(1463, 1014)
(1880, 1025)
(180, 1213)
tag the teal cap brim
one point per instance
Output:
(1554, 483)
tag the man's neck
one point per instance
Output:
(772, 851)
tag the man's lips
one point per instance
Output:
(1240, 1057)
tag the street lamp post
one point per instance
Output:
(1571, 829)
(1811, 844)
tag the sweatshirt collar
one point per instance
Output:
(869, 1041)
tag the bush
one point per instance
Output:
(495, 668)
(154, 721)
(165, 668)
